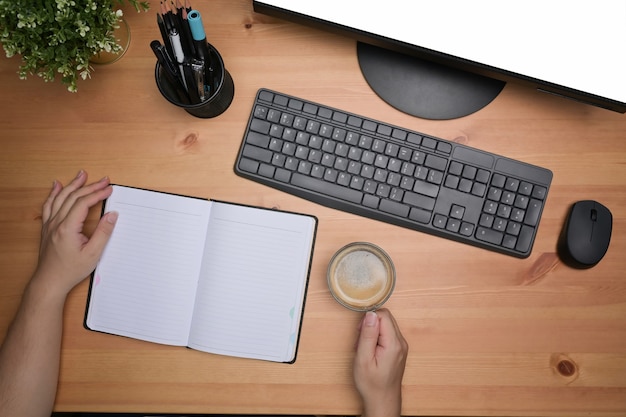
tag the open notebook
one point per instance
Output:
(214, 276)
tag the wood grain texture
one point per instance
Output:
(488, 334)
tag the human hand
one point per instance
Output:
(379, 364)
(66, 255)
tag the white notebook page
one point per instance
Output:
(144, 286)
(253, 281)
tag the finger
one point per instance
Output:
(358, 330)
(74, 185)
(77, 213)
(71, 200)
(47, 205)
(390, 334)
(102, 234)
(368, 338)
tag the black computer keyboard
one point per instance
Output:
(395, 175)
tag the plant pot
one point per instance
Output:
(122, 35)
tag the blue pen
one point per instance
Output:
(199, 39)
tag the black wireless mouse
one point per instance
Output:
(586, 235)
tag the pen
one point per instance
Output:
(198, 35)
(194, 94)
(170, 70)
(201, 47)
(178, 53)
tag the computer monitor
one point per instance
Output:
(444, 59)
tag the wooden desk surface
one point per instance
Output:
(486, 331)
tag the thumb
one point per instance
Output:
(103, 231)
(368, 338)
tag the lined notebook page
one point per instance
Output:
(253, 280)
(144, 286)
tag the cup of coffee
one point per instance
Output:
(361, 276)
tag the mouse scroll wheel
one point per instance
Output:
(594, 215)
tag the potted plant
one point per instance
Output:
(58, 37)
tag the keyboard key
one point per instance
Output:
(260, 112)
(257, 153)
(309, 108)
(418, 200)
(509, 241)
(489, 235)
(436, 162)
(340, 117)
(399, 134)
(332, 190)
(456, 168)
(425, 188)
(282, 175)
(281, 100)
(469, 172)
(498, 180)
(260, 126)
(325, 113)
(482, 176)
(457, 211)
(453, 225)
(266, 96)
(440, 221)
(512, 184)
(267, 170)
(525, 239)
(258, 139)
(539, 192)
(354, 121)
(444, 147)
(420, 216)
(370, 201)
(295, 104)
(414, 139)
(249, 165)
(392, 207)
(429, 143)
(466, 229)
(532, 212)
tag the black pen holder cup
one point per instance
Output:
(215, 104)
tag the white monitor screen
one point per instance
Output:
(574, 44)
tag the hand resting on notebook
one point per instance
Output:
(30, 354)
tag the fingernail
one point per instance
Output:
(371, 318)
(112, 217)
(79, 173)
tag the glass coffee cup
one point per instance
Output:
(361, 276)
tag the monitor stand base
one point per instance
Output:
(422, 88)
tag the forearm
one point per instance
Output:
(30, 354)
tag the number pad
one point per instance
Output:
(510, 212)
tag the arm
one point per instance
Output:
(379, 365)
(30, 353)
